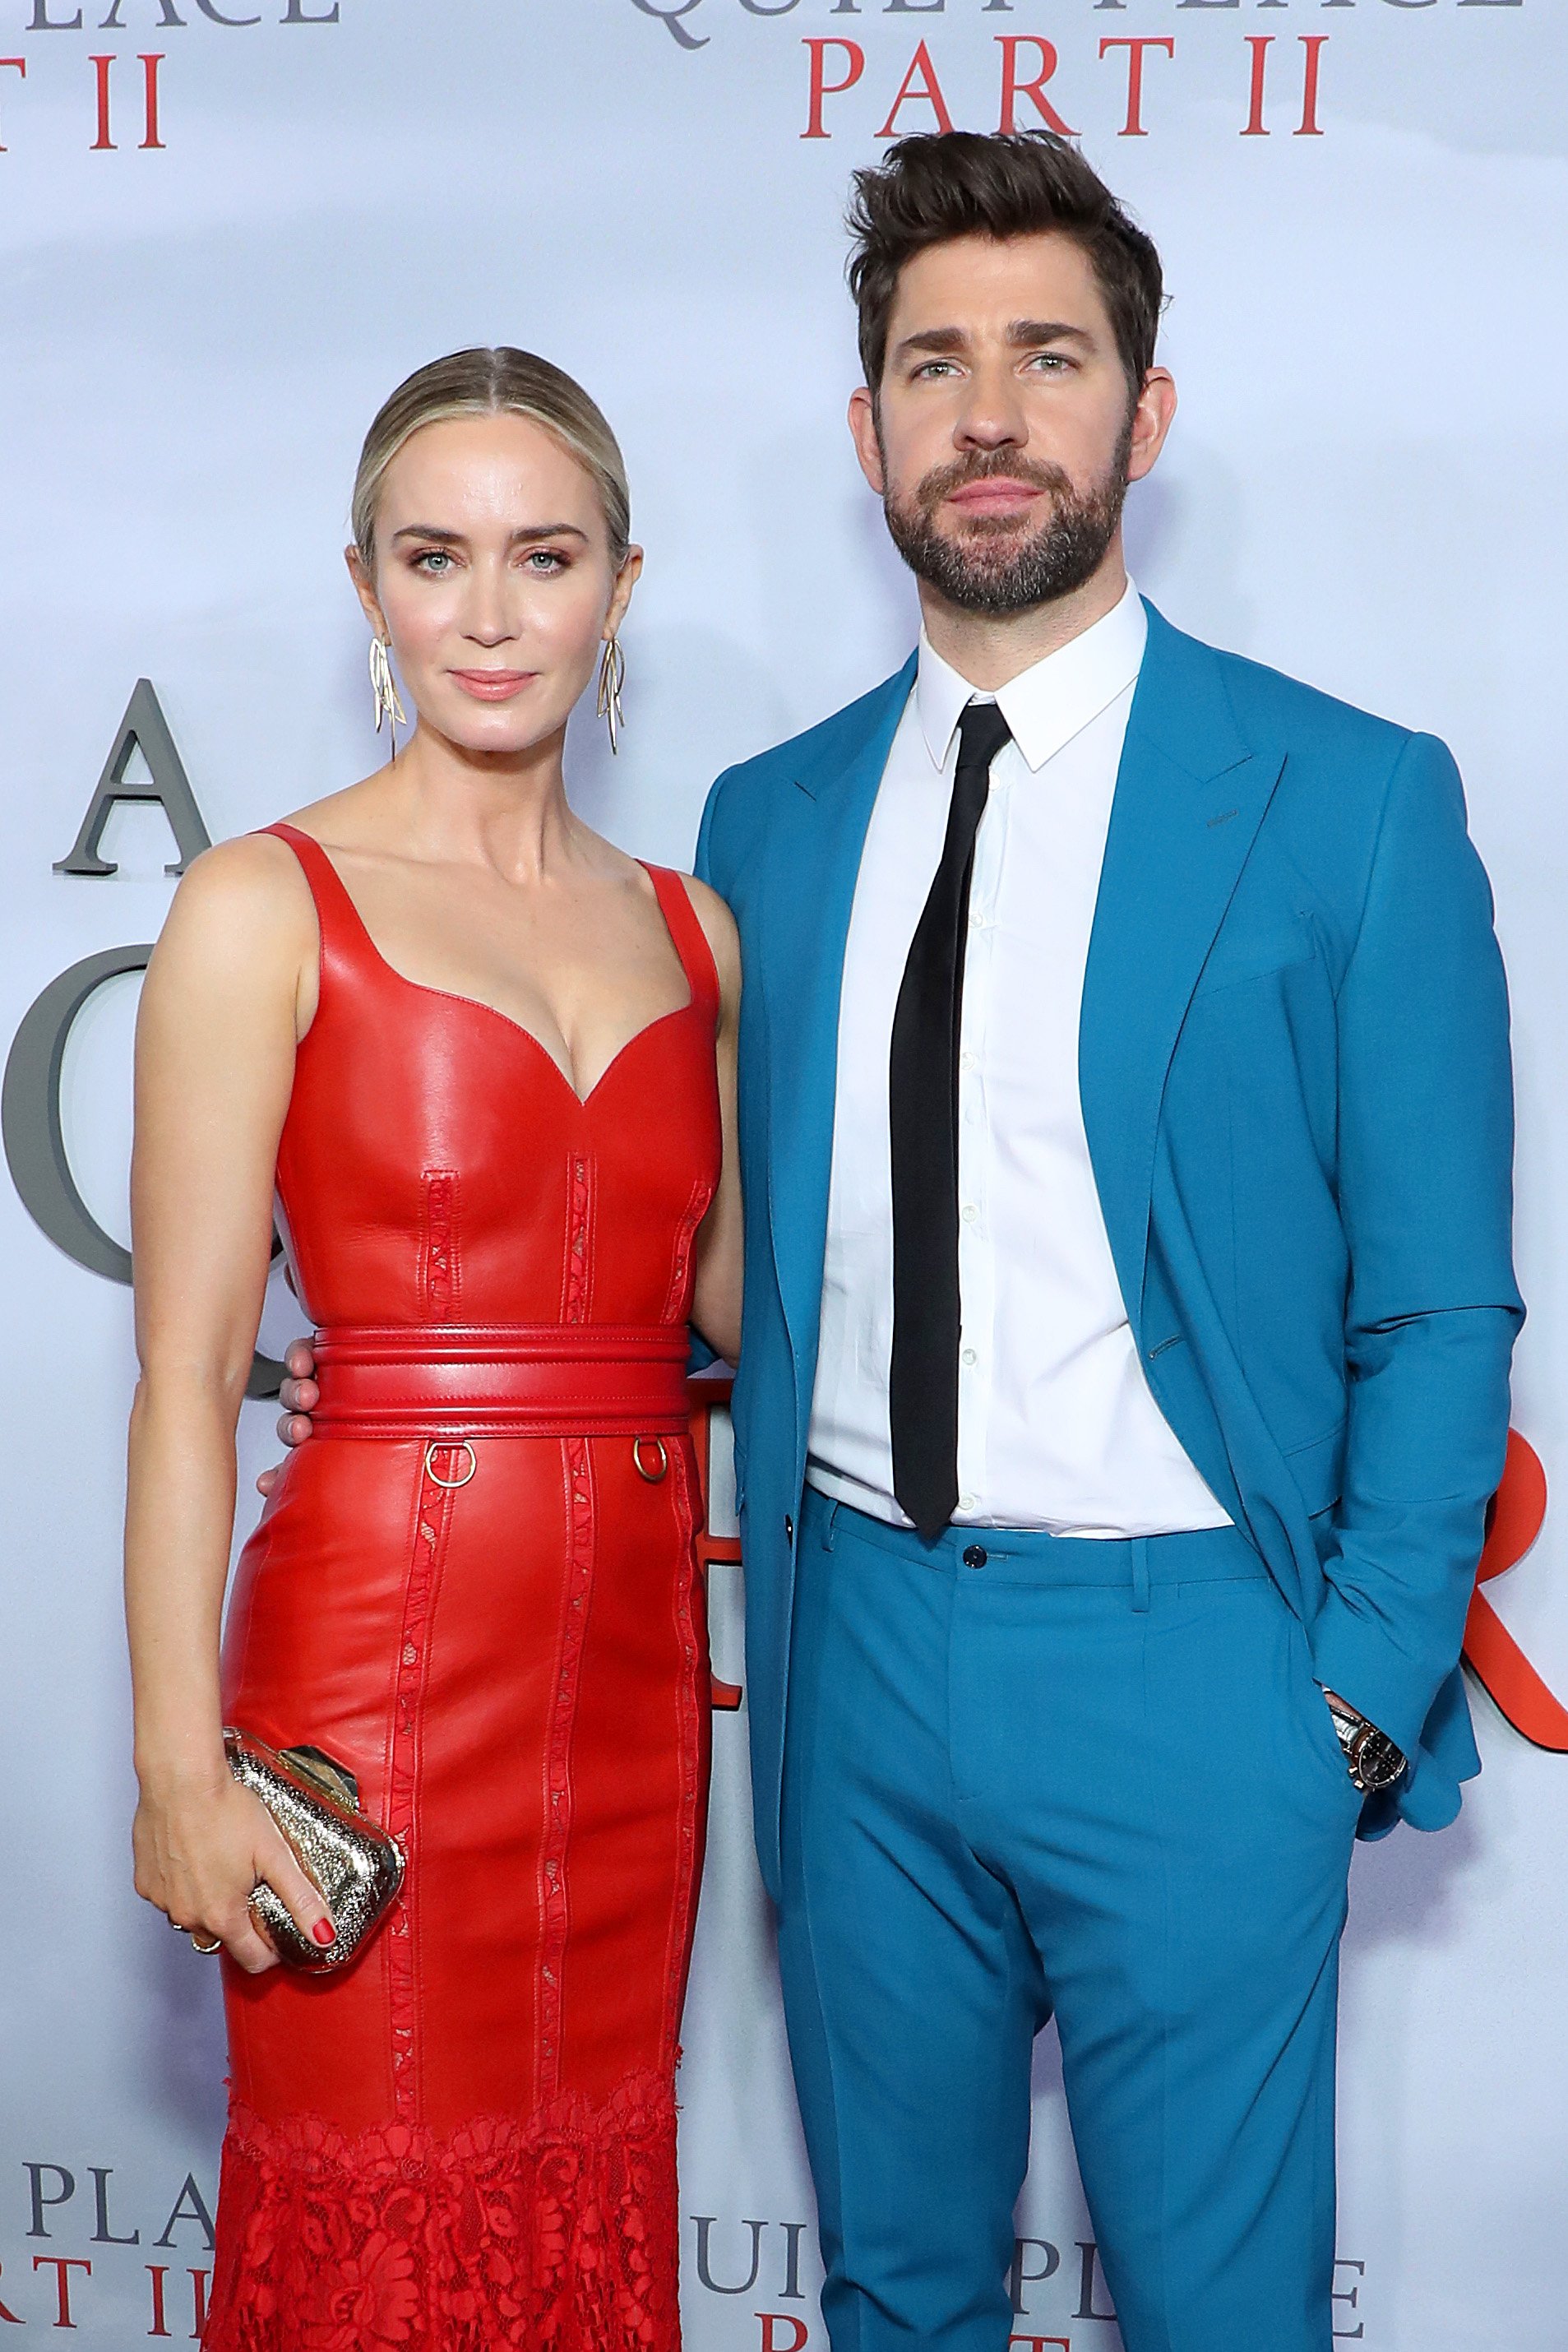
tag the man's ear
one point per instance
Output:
(1152, 419)
(867, 441)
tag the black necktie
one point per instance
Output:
(923, 1100)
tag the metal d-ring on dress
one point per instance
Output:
(476, 1587)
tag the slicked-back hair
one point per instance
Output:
(952, 183)
(503, 381)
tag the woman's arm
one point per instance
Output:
(221, 1010)
(715, 1305)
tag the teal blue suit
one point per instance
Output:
(1295, 1081)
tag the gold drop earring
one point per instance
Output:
(612, 679)
(384, 686)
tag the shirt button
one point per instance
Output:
(968, 1061)
(977, 919)
(966, 1502)
(975, 1556)
(969, 1212)
(971, 1356)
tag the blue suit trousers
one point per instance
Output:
(1028, 1775)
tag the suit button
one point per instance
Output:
(788, 1528)
(975, 1556)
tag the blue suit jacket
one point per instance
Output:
(1295, 1079)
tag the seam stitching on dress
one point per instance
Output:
(591, 1228)
(679, 1291)
(555, 1903)
(576, 1281)
(438, 1271)
(433, 1518)
(691, 1735)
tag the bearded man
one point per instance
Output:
(1126, 1140)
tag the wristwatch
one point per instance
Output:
(1374, 1761)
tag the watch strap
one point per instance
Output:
(1374, 1761)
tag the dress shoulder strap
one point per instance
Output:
(690, 939)
(342, 926)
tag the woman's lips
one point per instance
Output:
(492, 684)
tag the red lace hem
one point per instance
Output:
(557, 2235)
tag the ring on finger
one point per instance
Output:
(206, 1950)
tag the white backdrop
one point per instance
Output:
(1365, 486)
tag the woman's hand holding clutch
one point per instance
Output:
(200, 1851)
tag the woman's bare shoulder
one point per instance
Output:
(708, 904)
(718, 928)
(242, 900)
(254, 872)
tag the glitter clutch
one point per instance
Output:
(354, 1864)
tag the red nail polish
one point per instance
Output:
(324, 1932)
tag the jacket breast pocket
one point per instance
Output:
(1229, 967)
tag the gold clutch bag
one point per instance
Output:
(355, 1865)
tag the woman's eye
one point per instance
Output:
(435, 562)
(546, 562)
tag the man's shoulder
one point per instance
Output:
(817, 750)
(1271, 704)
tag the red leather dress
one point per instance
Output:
(477, 1587)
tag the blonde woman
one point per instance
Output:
(485, 1061)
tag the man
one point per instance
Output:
(1125, 1136)
(1126, 1140)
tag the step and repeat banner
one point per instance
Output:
(225, 232)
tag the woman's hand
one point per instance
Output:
(200, 1851)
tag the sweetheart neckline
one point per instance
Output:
(529, 1037)
(478, 1004)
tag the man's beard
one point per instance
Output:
(989, 567)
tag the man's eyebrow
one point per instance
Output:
(938, 340)
(1026, 333)
(1023, 334)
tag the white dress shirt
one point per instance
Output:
(1057, 1426)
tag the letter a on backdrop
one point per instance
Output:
(143, 729)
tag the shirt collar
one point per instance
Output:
(1048, 704)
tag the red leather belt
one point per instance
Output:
(508, 1381)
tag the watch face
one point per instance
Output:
(1378, 1763)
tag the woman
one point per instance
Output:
(488, 1061)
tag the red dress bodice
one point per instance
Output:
(438, 1166)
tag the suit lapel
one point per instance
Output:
(813, 865)
(1190, 796)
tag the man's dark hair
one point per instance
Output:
(952, 183)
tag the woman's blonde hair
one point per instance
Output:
(503, 381)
